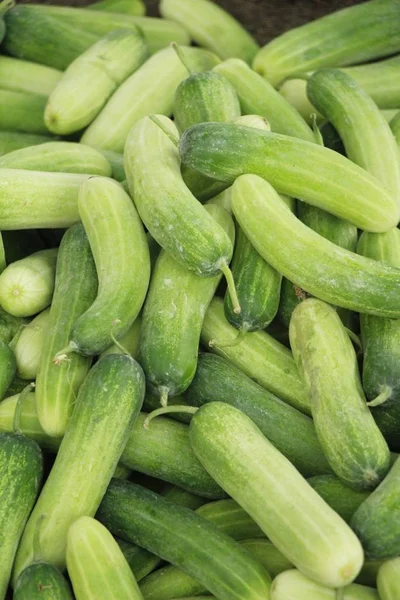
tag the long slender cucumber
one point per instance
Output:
(388, 580)
(27, 76)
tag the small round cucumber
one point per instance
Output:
(29, 345)
(42, 581)
(388, 580)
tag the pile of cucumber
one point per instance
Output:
(199, 305)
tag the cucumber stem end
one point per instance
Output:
(191, 410)
(231, 287)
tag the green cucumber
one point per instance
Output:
(106, 574)
(376, 521)
(22, 111)
(324, 269)
(92, 78)
(258, 355)
(369, 572)
(106, 408)
(116, 161)
(388, 580)
(26, 76)
(185, 539)
(325, 356)
(42, 581)
(129, 341)
(75, 290)
(122, 264)
(333, 41)
(168, 352)
(290, 431)
(308, 532)
(130, 7)
(231, 519)
(9, 325)
(149, 90)
(339, 496)
(14, 140)
(395, 127)
(122, 472)
(29, 344)
(269, 556)
(334, 184)
(8, 367)
(380, 339)
(20, 478)
(180, 496)
(26, 286)
(64, 157)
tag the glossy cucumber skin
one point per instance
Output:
(42, 581)
(170, 212)
(20, 478)
(380, 339)
(8, 367)
(290, 431)
(108, 403)
(106, 574)
(22, 111)
(152, 87)
(339, 496)
(122, 264)
(168, 351)
(183, 538)
(75, 290)
(14, 140)
(227, 442)
(27, 76)
(376, 522)
(324, 270)
(29, 344)
(388, 580)
(258, 355)
(335, 184)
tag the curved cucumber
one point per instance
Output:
(92, 78)
(27, 76)
(388, 580)
(122, 264)
(75, 290)
(185, 539)
(325, 270)
(129, 341)
(8, 367)
(172, 319)
(290, 431)
(341, 498)
(14, 140)
(106, 574)
(22, 111)
(42, 581)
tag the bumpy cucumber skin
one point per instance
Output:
(21, 474)
(335, 184)
(388, 580)
(8, 367)
(186, 540)
(380, 339)
(339, 496)
(42, 581)
(75, 290)
(29, 345)
(290, 431)
(168, 352)
(107, 406)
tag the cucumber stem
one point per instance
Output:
(231, 287)
(62, 355)
(229, 343)
(18, 408)
(164, 410)
(354, 338)
(318, 135)
(382, 397)
(182, 57)
(115, 341)
(164, 391)
(174, 139)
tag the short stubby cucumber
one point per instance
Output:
(121, 254)
(8, 367)
(129, 7)
(254, 473)
(26, 286)
(129, 342)
(150, 89)
(323, 269)
(106, 574)
(211, 27)
(29, 345)
(339, 496)
(42, 581)
(335, 184)
(22, 111)
(185, 539)
(14, 140)
(168, 351)
(27, 76)
(105, 411)
(290, 431)
(75, 289)
(388, 580)
(92, 78)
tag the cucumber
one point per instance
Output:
(122, 264)
(26, 76)
(258, 355)
(380, 337)
(231, 519)
(149, 90)
(185, 539)
(334, 183)
(42, 581)
(290, 431)
(14, 140)
(352, 35)
(116, 161)
(9, 325)
(106, 408)
(75, 290)
(8, 367)
(20, 478)
(339, 496)
(106, 574)
(22, 111)
(325, 270)
(29, 344)
(122, 472)
(92, 78)
(269, 556)
(130, 7)
(30, 199)
(388, 580)
(179, 496)
(376, 521)
(395, 127)
(26, 286)
(308, 532)
(64, 157)
(168, 352)
(129, 341)
(369, 572)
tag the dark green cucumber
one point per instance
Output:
(288, 429)
(8, 367)
(14, 140)
(22, 111)
(42, 581)
(185, 539)
(20, 478)
(105, 411)
(341, 498)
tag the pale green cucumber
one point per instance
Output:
(116, 161)
(388, 580)
(14, 140)
(130, 7)
(390, 113)
(22, 111)
(29, 345)
(26, 76)
(130, 341)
